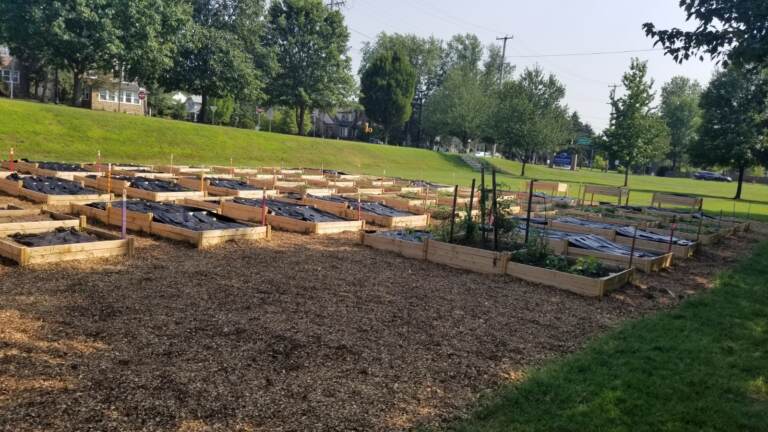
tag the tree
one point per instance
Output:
(636, 134)
(309, 43)
(213, 59)
(734, 122)
(459, 108)
(463, 51)
(527, 116)
(426, 56)
(680, 110)
(727, 30)
(388, 86)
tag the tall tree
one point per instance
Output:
(214, 60)
(636, 134)
(459, 108)
(528, 116)
(425, 55)
(388, 86)
(463, 51)
(727, 30)
(680, 110)
(309, 42)
(734, 123)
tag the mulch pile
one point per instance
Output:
(300, 333)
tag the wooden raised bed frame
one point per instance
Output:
(15, 188)
(111, 245)
(611, 191)
(250, 213)
(194, 184)
(58, 220)
(645, 265)
(143, 222)
(583, 285)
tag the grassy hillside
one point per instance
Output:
(61, 133)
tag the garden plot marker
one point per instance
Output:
(671, 236)
(453, 212)
(124, 222)
(632, 250)
(10, 160)
(263, 207)
(528, 213)
(495, 214)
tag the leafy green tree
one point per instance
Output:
(463, 51)
(680, 110)
(734, 122)
(388, 86)
(426, 56)
(459, 108)
(528, 117)
(636, 134)
(213, 59)
(225, 106)
(309, 43)
(727, 30)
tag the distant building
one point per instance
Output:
(12, 76)
(108, 92)
(345, 124)
(192, 104)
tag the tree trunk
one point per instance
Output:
(56, 86)
(742, 169)
(626, 174)
(300, 119)
(77, 88)
(44, 94)
(522, 171)
(203, 116)
(674, 162)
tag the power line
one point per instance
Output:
(595, 53)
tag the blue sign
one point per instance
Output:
(563, 159)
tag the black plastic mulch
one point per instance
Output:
(60, 236)
(56, 166)
(52, 185)
(294, 211)
(367, 206)
(177, 215)
(626, 231)
(232, 184)
(406, 235)
(156, 185)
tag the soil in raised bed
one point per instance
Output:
(415, 236)
(626, 231)
(232, 184)
(52, 185)
(60, 236)
(300, 212)
(367, 206)
(190, 218)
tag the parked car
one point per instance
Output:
(707, 175)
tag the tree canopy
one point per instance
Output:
(309, 42)
(680, 111)
(734, 122)
(388, 86)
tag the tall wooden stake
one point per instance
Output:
(528, 213)
(495, 207)
(263, 206)
(453, 211)
(671, 237)
(124, 225)
(11, 161)
(482, 203)
(632, 251)
(471, 198)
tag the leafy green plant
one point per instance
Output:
(589, 267)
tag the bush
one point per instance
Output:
(599, 163)
(246, 123)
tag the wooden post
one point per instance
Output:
(701, 222)
(359, 205)
(453, 212)
(671, 236)
(426, 200)
(471, 198)
(627, 203)
(231, 167)
(109, 178)
(11, 162)
(202, 183)
(124, 222)
(263, 206)
(482, 202)
(98, 162)
(495, 213)
(632, 250)
(578, 195)
(528, 213)
(171, 163)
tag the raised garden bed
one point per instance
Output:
(181, 169)
(115, 183)
(50, 190)
(64, 244)
(373, 212)
(617, 193)
(226, 187)
(410, 244)
(660, 199)
(583, 285)
(31, 221)
(160, 190)
(202, 228)
(61, 170)
(288, 216)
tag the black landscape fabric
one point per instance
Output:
(155, 185)
(367, 206)
(52, 185)
(232, 184)
(181, 216)
(61, 236)
(294, 211)
(56, 166)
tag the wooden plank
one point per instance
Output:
(467, 258)
(582, 285)
(416, 250)
(660, 198)
(609, 234)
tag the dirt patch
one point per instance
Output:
(300, 333)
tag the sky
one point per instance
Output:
(540, 29)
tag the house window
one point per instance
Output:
(107, 96)
(7, 74)
(130, 97)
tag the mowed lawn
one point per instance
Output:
(49, 132)
(700, 367)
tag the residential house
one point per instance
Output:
(108, 92)
(192, 104)
(345, 124)
(12, 77)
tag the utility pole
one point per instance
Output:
(503, 56)
(336, 4)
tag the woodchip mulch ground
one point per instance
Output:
(297, 334)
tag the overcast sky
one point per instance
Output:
(542, 27)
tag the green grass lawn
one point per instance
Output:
(49, 132)
(701, 367)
